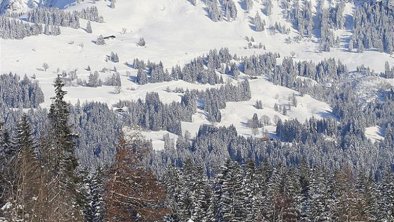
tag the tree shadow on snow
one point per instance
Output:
(327, 115)
(242, 3)
(133, 79)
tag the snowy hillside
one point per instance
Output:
(21, 6)
(175, 32)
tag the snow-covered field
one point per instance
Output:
(175, 32)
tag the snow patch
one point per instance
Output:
(374, 133)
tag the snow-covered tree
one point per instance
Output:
(213, 11)
(89, 27)
(258, 23)
(100, 40)
(248, 5)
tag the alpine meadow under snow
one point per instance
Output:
(196, 110)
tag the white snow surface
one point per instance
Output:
(374, 133)
(238, 113)
(21, 6)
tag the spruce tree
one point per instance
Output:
(292, 196)
(94, 206)
(89, 27)
(248, 5)
(200, 196)
(386, 198)
(3, 181)
(258, 23)
(6, 148)
(172, 181)
(142, 78)
(273, 197)
(60, 160)
(26, 175)
(251, 193)
(185, 196)
(319, 200)
(367, 198)
(213, 11)
(100, 40)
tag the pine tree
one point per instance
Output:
(45, 66)
(46, 30)
(89, 27)
(230, 10)
(305, 179)
(228, 193)
(220, 196)
(345, 196)
(26, 171)
(251, 193)
(200, 196)
(185, 205)
(268, 7)
(367, 199)
(273, 198)
(94, 201)
(100, 40)
(3, 161)
(172, 181)
(7, 150)
(319, 198)
(386, 198)
(213, 11)
(258, 23)
(292, 196)
(248, 5)
(60, 163)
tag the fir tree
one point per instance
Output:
(94, 210)
(100, 40)
(26, 170)
(89, 27)
(258, 23)
(172, 181)
(213, 11)
(248, 5)
(60, 160)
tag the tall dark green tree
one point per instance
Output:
(60, 160)
(62, 138)
(386, 199)
(172, 181)
(23, 176)
(251, 193)
(2, 166)
(94, 201)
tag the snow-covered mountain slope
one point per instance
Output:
(175, 32)
(368, 88)
(16, 5)
(21, 6)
